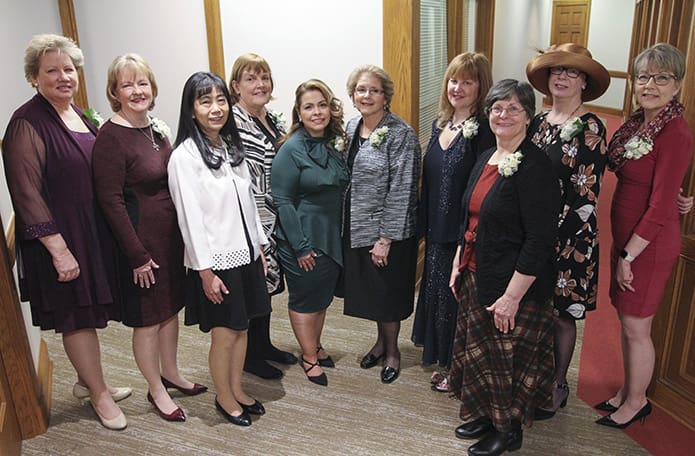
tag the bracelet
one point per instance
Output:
(384, 243)
(626, 256)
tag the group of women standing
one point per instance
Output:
(241, 204)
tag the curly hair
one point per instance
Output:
(41, 44)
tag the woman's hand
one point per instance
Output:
(455, 278)
(213, 287)
(685, 203)
(66, 265)
(504, 310)
(265, 264)
(380, 252)
(307, 262)
(144, 275)
(623, 275)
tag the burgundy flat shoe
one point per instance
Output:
(176, 415)
(197, 388)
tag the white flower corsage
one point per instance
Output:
(93, 116)
(571, 129)
(160, 127)
(637, 147)
(278, 119)
(378, 136)
(469, 128)
(338, 143)
(510, 164)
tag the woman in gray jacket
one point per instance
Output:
(380, 234)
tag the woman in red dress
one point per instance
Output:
(650, 154)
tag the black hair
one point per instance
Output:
(199, 84)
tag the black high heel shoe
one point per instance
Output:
(606, 406)
(318, 379)
(541, 414)
(242, 419)
(324, 362)
(641, 415)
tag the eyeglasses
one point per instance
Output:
(660, 79)
(362, 91)
(511, 110)
(571, 72)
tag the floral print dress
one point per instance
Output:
(579, 159)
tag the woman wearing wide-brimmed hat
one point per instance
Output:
(575, 140)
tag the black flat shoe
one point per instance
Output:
(496, 443)
(641, 415)
(369, 360)
(542, 414)
(318, 379)
(281, 357)
(240, 420)
(389, 374)
(254, 409)
(324, 362)
(606, 406)
(474, 429)
(261, 368)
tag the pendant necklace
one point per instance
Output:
(456, 127)
(150, 137)
(571, 114)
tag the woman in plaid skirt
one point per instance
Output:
(502, 276)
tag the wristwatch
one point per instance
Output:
(626, 256)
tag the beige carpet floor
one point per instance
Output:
(355, 415)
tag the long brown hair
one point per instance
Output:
(471, 65)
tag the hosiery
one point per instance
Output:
(388, 332)
(565, 341)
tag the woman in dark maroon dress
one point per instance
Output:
(62, 255)
(131, 155)
(650, 154)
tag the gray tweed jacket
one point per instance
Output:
(384, 183)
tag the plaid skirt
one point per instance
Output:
(501, 376)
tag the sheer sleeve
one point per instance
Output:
(24, 154)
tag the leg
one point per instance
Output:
(82, 348)
(307, 329)
(638, 353)
(565, 338)
(237, 355)
(379, 348)
(318, 329)
(221, 367)
(168, 346)
(146, 349)
(388, 333)
(257, 347)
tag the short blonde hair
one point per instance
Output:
(133, 62)
(386, 81)
(41, 44)
(252, 63)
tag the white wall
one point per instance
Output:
(169, 34)
(18, 23)
(304, 39)
(610, 33)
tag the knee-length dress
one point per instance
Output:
(130, 179)
(308, 179)
(644, 203)
(579, 160)
(260, 149)
(444, 178)
(49, 175)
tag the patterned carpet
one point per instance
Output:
(355, 415)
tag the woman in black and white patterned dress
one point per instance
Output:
(251, 87)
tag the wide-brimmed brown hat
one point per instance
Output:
(569, 55)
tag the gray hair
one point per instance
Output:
(661, 56)
(386, 81)
(507, 88)
(41, 44)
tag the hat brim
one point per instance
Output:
(597, 81)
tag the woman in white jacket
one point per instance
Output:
(223, 236)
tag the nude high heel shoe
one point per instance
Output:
(115, 424)
(82, 393)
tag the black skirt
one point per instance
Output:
(381, 294)
(248, 298)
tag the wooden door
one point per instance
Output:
(570, 22)
(673, 384)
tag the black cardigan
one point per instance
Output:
(517, 227)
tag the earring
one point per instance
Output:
(584, 87)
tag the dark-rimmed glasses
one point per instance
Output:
(571, 72)
(660, 79)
